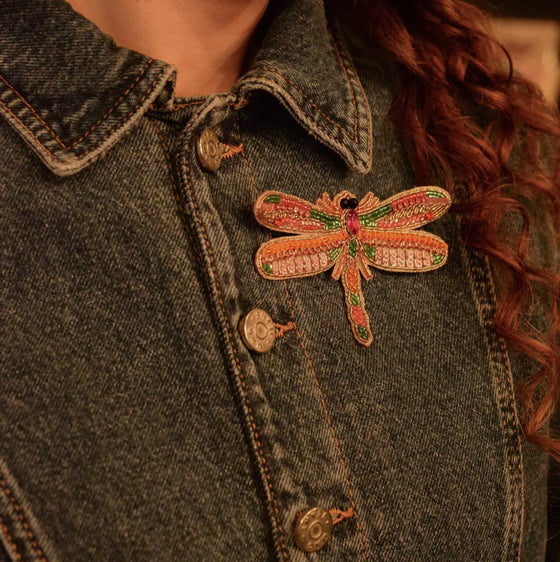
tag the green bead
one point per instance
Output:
(371, 218)
(354, 299)
(330, 222)
(364, 334)
(434, 194)
(370, 251)
(273, 199)
(333, 254)
(353, 248)
(267, 267)
(437, 258)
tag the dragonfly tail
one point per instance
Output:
(355, 305)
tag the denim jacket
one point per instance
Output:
(135, 423)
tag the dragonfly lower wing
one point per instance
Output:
(412, 251)
(355, 305)
(299, 256)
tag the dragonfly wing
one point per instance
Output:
(287, 213)
(406, 250)
(408, 209)
(299, 256)
(355, 305)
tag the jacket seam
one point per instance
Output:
(312, 370)
(480, 275)
(310, 123)
(185, 105)
(23, 520)
(9, 539)
(48, 128)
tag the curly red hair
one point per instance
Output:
(467, 121)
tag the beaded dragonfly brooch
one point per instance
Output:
(351, 236)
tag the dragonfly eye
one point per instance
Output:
(348, 203)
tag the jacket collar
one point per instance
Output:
(303, 61)
(71, 92)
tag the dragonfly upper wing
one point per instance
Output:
(287, 213)
(299, 256)
(408, 209)
(405, 250)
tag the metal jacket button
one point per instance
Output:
(209, 150)
(257, 330)
(313, 529)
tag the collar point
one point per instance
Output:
(362, 164)
(64, 157)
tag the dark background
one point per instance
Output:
(542, 9)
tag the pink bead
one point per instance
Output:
(291, 265)
(352, 222)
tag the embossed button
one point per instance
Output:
(209, 150)
(313, 529)
(257, 330)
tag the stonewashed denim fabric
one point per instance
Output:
(134, 423)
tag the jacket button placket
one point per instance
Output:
(271, 390)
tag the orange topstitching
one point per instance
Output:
(130, 88)
(21, 517)
(311, 103)
(183, 105)
(230, 150)
(340, 515)
(9, 539)
(349, 84)
(281, 329)
(79, 156)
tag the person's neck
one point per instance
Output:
(208, 40)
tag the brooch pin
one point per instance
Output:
(351, 236)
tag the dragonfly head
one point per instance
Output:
(348, 203)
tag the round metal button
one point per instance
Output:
(257, 330)
(313, 529)
(209, 150)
